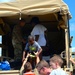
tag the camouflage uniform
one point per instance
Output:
(17, 42)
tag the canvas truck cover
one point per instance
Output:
(32, 7)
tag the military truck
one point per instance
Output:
(53, 14)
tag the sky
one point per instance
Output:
(71, 5)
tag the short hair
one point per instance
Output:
(35, 20)
(31, 37)
(42, 64)
(57, 59)
(27, 67)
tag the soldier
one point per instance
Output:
(17, 39)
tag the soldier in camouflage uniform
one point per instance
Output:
(17, 39)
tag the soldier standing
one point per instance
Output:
(17, 39)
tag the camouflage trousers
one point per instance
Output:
(17, 51)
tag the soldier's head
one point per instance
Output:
(31, 39)
(22, 22)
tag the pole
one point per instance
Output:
(67, 42)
